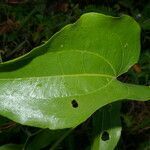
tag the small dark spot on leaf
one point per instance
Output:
(74, 103)
(105, 136)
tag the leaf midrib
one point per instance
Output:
(64, 75)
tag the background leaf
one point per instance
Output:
(106, 127)
(11, 147)
(44, 138)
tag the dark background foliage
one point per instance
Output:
(25, 24)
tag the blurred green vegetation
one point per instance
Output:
(25, 24)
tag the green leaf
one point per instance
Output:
(61, 83)
(11, 147)
(106, 127)
(44, 138)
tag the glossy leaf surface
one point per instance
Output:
(61, 83)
